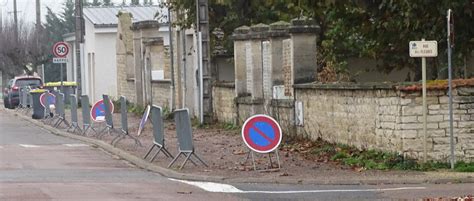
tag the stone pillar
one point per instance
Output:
(240, 36)
(258, 34)
(278, 33)
(124, 49)
(303, 34)
(287, 67)
(143, 32)
(138, 63)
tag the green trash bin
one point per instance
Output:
(38, 109)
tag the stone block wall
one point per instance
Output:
(129, 91)
(383, 118)
(224, 102)
(367, 116)
(410, 124)
(161, 93)
(283, 112)
(344, 116)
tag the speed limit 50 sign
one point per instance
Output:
(60, 49)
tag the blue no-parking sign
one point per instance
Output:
(98, 110)
(51, 99)
(261, 133)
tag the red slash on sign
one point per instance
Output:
(261, 133)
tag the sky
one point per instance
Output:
(27, 9)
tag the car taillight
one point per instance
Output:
(15, 88)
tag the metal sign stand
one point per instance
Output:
(124, 120)
(251, 153)
(21, 99)
(55, 113)
(109, 122)
(74, 119)
(158, 134)
(47, 109)
(60, 111)
(86, 118)
(185, 138)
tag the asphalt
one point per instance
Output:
(427, 177)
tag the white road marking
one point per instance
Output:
(76, 145)
(29, 145)
(226, 188)
(211, 187)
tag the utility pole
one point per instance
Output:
(1, 19)
(79, 43)
(38, 16)
(15, 18)
(205, 71)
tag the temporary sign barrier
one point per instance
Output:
(60, 111)
(74, 120)
(86, 115)
(124, 121)
(185, 137)
(158, 133)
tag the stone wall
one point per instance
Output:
(224, 103)
(161, 93)
(383, 118)
(410, 124)
(358, 117)
(367, 116)
(128, 90)
(124, 56)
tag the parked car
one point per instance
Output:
(11, 97)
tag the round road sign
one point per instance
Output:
(51, 97)
(98, 110)
(261, 133)
(60, 49)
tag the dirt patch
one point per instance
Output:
(225, 153)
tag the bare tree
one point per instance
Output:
(24, 54)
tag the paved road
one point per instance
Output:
(37, 165)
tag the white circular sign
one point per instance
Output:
(60, 49)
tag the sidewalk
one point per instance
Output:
(224, 151)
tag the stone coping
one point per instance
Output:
(248, 100)
(406, 87)
(147, 24)
(165, 81)
(225, 84)
(346, 86)
(287, 103)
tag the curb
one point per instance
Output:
(141, 163)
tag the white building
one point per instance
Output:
(99, 67)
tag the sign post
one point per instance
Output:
(262, 134)
(450, 92)
(60, 51)
(424, 49)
